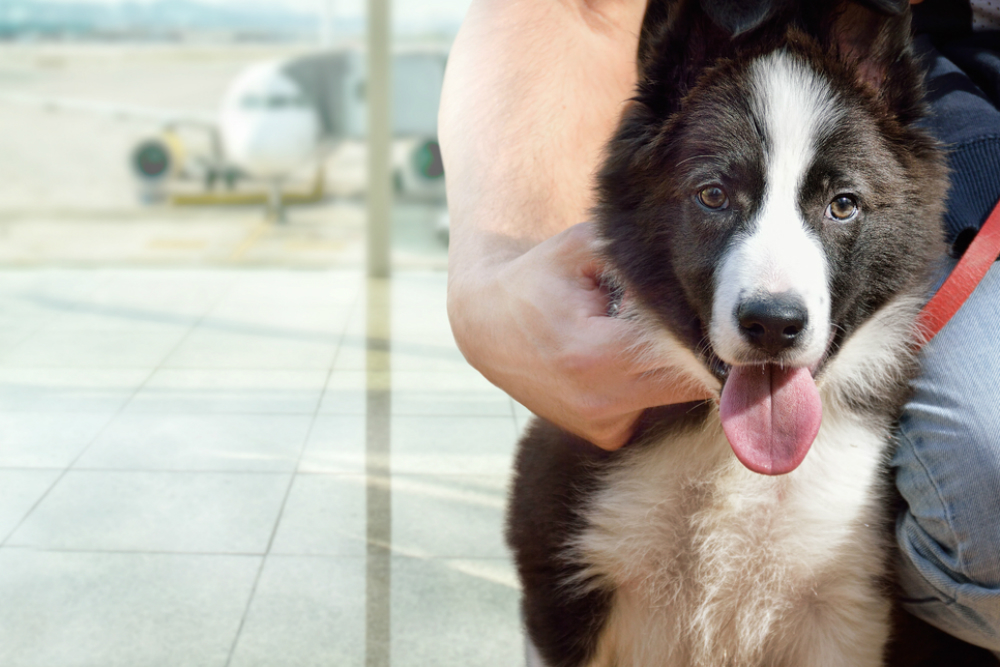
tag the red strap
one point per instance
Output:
(975, 262)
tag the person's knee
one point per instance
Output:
(935, 590)
(949, 533)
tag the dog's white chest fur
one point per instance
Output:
(713, 565)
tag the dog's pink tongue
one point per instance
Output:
(771, 416)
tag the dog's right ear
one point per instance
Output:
(679, 41)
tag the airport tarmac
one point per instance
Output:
(330, 234)
(68, 197)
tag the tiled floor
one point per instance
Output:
(248, 467)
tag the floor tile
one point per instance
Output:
(352, 353)
(306, 612)
(89, 390)
(421, 298)
(421, 321)
(19, 491)
(336, 444)
(141, 300)
(421, 317)
(50, 282)
(156, 511)
(452, 445)
(313, 287)
(284, 319)
(453, 613)
(427, 353)
(464, 393)
(128, 319)
(30, 310)
(230, 390)
(120, 610)
(324, 515)
(451, 516)
(46, 440)
(157, 293)
(254, 347)
(346, 393)
(252, 443)
(13, 334)
(94, 349)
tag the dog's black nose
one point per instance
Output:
(772, 323)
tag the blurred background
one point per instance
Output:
(166, 127)
(227, 437)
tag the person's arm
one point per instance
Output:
(533, 91)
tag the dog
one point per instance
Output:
(770, 211)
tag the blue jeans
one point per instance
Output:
(947, 467)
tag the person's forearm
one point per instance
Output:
(534, 89)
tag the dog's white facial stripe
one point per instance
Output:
(795, 107)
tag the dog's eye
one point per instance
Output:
(842, 208)
(713, 198)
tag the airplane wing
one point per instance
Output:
(165, 117)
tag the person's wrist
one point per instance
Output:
(469, 292)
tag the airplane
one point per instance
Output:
(277, 116)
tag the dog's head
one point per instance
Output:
(766, 194)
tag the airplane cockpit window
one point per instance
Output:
(274, 102)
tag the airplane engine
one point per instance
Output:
(154, 161)
(419, 171)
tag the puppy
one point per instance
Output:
(771, 214)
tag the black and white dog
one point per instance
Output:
(771, 214)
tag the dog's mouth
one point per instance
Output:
(770, 415)
(770, 412)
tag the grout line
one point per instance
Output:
(182, 471)
(141, 552)
(248, 554)
(355, 305)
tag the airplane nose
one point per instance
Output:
(773, 322)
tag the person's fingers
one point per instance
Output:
(633, 348)
(613, 433)
(667, 387)
(581, 247)
(646, 392)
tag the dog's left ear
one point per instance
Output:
(875, 41)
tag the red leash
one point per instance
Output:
(975, 262)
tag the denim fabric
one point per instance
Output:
(947, 467)
(967, 122)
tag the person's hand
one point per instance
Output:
(539, 330)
